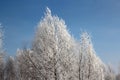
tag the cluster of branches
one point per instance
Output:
(55, 55)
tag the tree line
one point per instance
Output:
(55, 55)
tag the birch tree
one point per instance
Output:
(54, 48)
(91, 66)
(22, 68)
(10, 69)
(44, 47)
(26, 68)
(109, 73)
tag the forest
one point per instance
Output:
(55, 55)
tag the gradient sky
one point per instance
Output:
(101, 18)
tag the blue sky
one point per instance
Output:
(101, 18)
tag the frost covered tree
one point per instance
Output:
(2, 67)
(80, 62)
(109, 73)
(10, 69)
(22, 69)
(54, 48)
(118, 74)
(90, 66)
(44, 47)
(118, 77)
(26, 68)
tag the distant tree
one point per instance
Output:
(109, 73)
(80, 62)
(22, 68)
(2, 65)
(90, 66)
(26, 69)
(10, 69)
(118, 77)
(118, 74)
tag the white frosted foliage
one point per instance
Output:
(93, 67)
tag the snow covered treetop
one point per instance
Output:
(48, 11)
(86, 39)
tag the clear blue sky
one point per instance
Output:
(101, 18)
